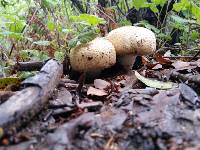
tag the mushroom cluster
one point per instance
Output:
(123, 44)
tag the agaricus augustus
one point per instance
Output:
(130, 41)
(93, 56)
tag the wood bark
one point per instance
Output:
(28, 66)
(186, 77)
(19, 109)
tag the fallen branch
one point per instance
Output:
(28, 66)
(186, 77)
(25, 104)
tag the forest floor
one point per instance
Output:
(119, 112)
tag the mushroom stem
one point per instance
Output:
(127, 61)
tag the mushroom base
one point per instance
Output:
(127, 61)
(93, 74)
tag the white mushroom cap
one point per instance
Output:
(132, 39)
(94, 56)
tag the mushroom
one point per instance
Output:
(93, 56)
(130, 41)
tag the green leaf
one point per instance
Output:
(25, 74)
(49, 3)
(149, 26)
(59, 55)
(17, 26)
(73, 42)
(183, 5)
(87, 36)
(155, 83)
(51, 25)
(33, 55)
(154, 8)
(196, 12)
(139, 3)
(159, 2)
(13, 22)
(11, 34)
(88, 19)
(194, 35)
(179, 19)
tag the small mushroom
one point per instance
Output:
(93, 56)
(130, 41)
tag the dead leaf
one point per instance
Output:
(162, 60)
(101, 84)
(96, 92)
(188, 94)
(64, 97)
(181, 65)
(158, 66)
(155, 83)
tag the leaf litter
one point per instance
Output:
(134, 110)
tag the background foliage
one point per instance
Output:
(39, 29)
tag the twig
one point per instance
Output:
(179, 57)
(106, 15)
(195, 56)
(51, 106)
(120, 10)
(126, 2)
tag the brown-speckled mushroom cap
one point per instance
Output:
(132, 40)
(93, 56)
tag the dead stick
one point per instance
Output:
(25, 104)
(195, 56)
(28, 66)
(179, 57)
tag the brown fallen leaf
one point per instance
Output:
(96, 92)
(162, 60)
(158, 66)
(101, 84)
